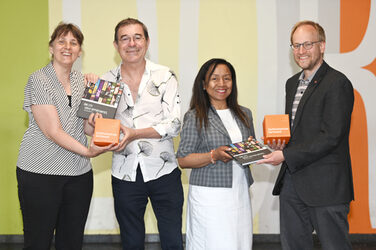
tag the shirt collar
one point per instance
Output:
(301, 77)
(149, 66)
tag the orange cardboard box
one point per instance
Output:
(276, 127)
(106, 131)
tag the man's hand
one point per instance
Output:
(129, 135)
(90, 77)
(279, 145)
(273, 158)
(276, 145)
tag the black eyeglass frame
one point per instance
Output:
(306, 45)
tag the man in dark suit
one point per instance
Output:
(315, 181)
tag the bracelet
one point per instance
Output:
(211, 156)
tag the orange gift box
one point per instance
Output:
(106, 131)
(276, 127)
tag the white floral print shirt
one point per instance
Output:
(158, 106)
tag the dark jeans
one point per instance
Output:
(51, 202)
(166, 196)
(298, 221)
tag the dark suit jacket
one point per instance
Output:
(215, 135)
(317, 155)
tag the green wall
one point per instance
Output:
(23, 49)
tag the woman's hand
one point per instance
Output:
(93, 117)
(219, 154)
(95, 150)
(199, 160)
(89, 124)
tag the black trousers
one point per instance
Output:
(166, 196)
(299, 220)
(54, 203)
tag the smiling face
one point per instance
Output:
(65, 49)
(308, 60)
(131, 43)
(219, 86)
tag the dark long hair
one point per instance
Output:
(200, 99)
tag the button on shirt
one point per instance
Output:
(158, 106)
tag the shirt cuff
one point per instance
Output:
(160, 130)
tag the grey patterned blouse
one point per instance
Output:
(215, 135)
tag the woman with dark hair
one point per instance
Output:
(55, 180)
(219, 214)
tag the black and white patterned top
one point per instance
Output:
(158, 106)
(38, 154)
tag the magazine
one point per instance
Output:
(101, 97)
(248, 152)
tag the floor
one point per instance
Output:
(155, 246)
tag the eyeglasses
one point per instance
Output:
(127, 39)
(306, 45)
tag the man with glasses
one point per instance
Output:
(315, 181)
(149, 111)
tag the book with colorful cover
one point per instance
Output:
(100, 97)
(248, 152)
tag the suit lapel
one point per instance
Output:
(310, 89)
(216, 122)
